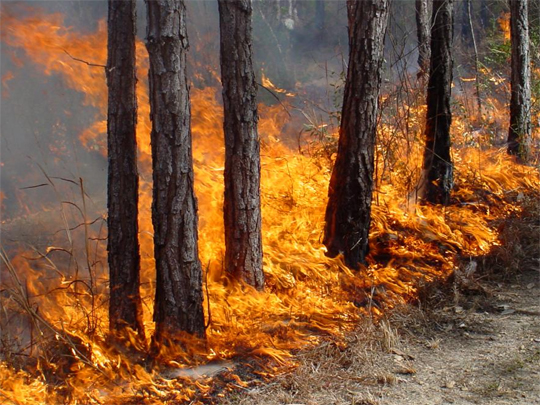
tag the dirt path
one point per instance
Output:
(491, 356)
(484, 350)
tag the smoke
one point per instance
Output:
(301, 46)
(42, 118)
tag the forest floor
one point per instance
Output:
(472, 340)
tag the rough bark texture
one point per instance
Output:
(179, 297)
(438, 168)
(125, 308)
(423, 26)
(519, 132)
(348, 214)
(242, 204)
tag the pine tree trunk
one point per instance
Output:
(348, 213)
(242, 204)
(438, 167)
(178, 306)
(519, 132)
(423, 26)
(125, 308)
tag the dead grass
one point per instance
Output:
(519, 237)
(335, 372)
(353, 372)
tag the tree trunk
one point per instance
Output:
(484, 14)
(519, 132)
(423, 26)
(320, 16)
(463, 22)
(125, 308)
(468, 4)
(242, 204)
(348, 213)
(178, 306)
(438, 168)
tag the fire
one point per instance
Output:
(504, 24)
(267, 83)
(308, 296)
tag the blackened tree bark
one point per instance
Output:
(348, 214)
(242, 204)
(438, 167)
(178, 306)
(125, 308)
(423, 27)
(519, 132)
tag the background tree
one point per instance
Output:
(423, 27)
(438, 167)
(348, 214)
(242, 204)
(519, 132)
(320, 17)
(178, 305)
(125, 308)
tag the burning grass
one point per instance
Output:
(54, 346)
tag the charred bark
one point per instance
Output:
(125, 308)
(178, 306)
(348, 214)
(438, 167)
(423, 26)
(519, 131)
(242, 204)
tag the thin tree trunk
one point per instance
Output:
(242, 204)
(179, 297)
(519, 132)
(438, 167)
(348, 214)
(423, 27)
(320, 16)
(476, 61)
(125, 308)
(463, 22)
(484, 14)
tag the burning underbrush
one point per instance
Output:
(54, 294)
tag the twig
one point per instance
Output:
(83, 61)
(276, 97)
(207, 297)
(36, 186)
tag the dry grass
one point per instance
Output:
(349, 372)
(519, 237)
(375, 355)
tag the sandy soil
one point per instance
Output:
(483, 347)
(487, 356)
